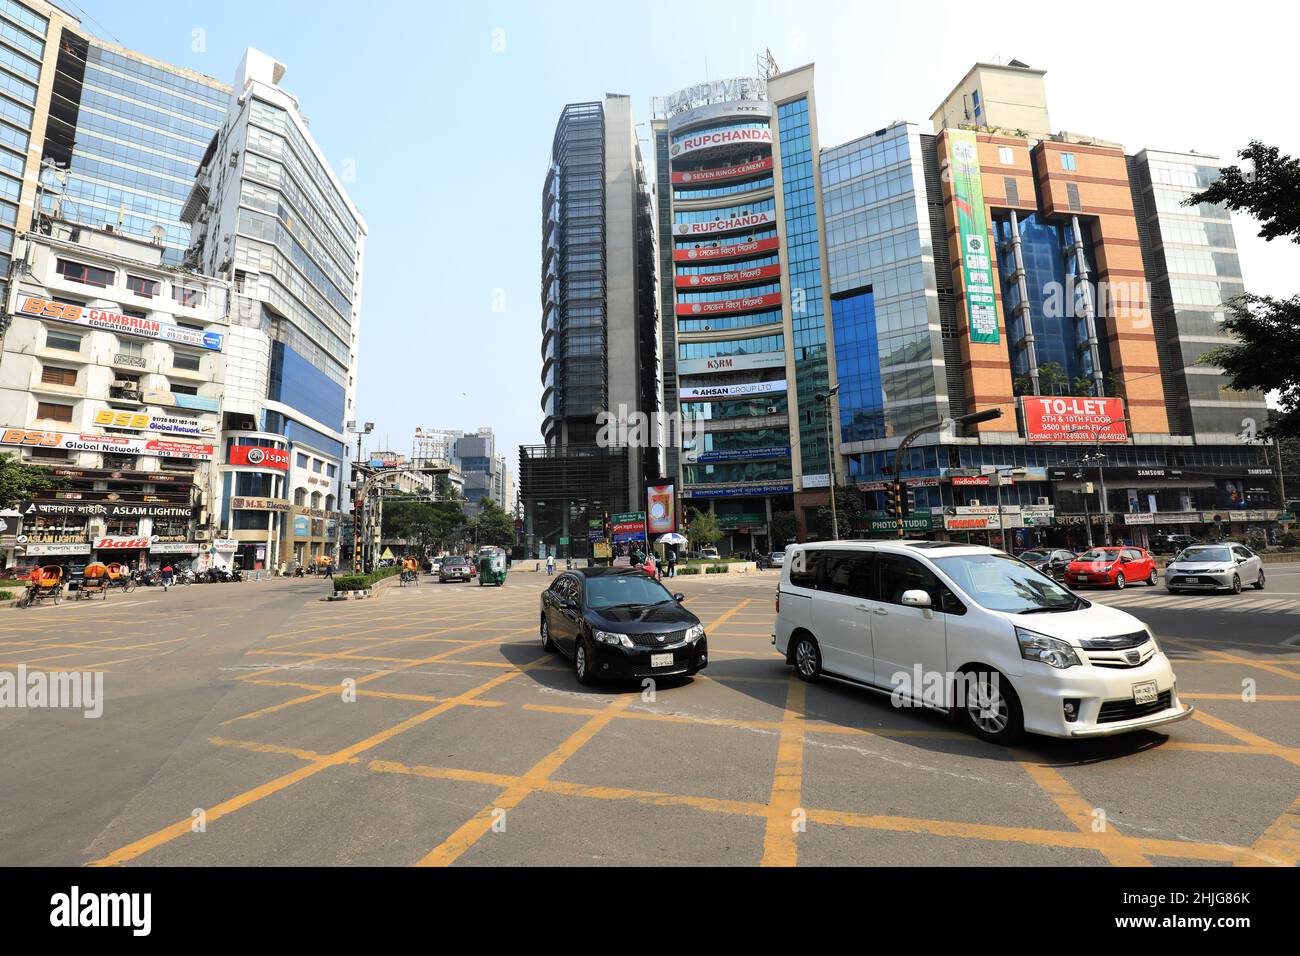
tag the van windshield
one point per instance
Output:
(1001, 583)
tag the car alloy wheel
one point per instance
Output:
(546, 637)
(1154, 579)
(991, 708)
(1236, 584)
(1120, 582)
(808, 659)
(1259, 582)
(582, 662)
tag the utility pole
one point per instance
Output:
(825, 398)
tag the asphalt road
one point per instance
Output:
(254, 723)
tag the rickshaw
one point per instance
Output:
(410, 572)
(94, 582)
(119, 576)
(492, 567)
(45, 584)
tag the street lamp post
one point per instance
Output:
(825, 398)
(973, 418)
(1100, 459)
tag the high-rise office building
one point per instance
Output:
(600, 333)
(746, 306)
(269, 214)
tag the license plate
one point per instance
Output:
(1193, 580)
(661, 660)
(1145, 692)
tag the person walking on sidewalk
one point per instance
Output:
(550, 565)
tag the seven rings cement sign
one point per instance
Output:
(701, 176)
(117, 322)
(113, 444)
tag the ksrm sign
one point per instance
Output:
(702, 94)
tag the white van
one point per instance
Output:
(971, 630)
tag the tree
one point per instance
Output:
(445, 490)
(784, 528)
(1052, 379)
(850, 512)
(19, 481)
(704, 530)
(1267, 329)
(493, 525)
(423, 523)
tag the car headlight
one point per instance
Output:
(1046, 650)
(1152, 636)
(695, 633)
(609, 637)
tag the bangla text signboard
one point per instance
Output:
(116, 322)
(113, 444)
(973, 234)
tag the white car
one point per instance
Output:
(1210, 567)
(776, 558)
(970, 630)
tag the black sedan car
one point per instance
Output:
(620, 623)
(1051, 561)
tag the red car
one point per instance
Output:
(1115, 567)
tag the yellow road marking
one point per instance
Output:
(779, 839)
(1280, 843)
(1116, 847)
(1262, 744)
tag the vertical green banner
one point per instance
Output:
(973, 233)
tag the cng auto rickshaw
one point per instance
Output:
(492, 567)
(45, 584)
(94, 582)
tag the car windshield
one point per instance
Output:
(1205, 554)
(1098, 554)
(455, 561)
(1001, 583)
(624, 590)
(1033, 556)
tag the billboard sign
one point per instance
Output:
(771, 300)
(731, 363)
(145, 422)
(973, 235)
(733, 250)
(730, 136)
(701, 177)
(118, 323)
(259, 456)
(707, 393)
(1064, 419)
(730, 277)
(661, 509)
(730, 224)
(113, 444)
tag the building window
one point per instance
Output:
(1072, 194)
(300, 497)
(88, 275)
(147, 288)
(52, 375)
(301, 460)
(67, 341)
(317, 465)
(49, 454)
(1067, 162)
(184, 390)
(331, 470)
(1006, 155)
(54, 412)
(119, 462)
(188, 297)
(1012, 190)
(186, 360)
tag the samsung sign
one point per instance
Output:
(708, 393)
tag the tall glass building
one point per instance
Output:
(123, 141)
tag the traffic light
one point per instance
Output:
(909, 501)
(891, 499)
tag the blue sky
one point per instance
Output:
(447, 110)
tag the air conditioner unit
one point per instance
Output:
(974, 503)
(126, 386)
(1044, 501)
(202, 534)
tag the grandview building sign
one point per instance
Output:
(122, 324)
(717, 91)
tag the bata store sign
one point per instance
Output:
(734, 250)
(725, 225)
(113, 444)
(731, 391)
(122, 324)
(117, 543)
(1074, 419)
(722, 137)
(259, 457)
(700, 177)
(770, 301)
(727, 278)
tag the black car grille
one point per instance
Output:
(1115, 710)
(1120, 642)
(652, 640)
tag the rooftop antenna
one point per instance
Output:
(767, 67)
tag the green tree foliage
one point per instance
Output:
(704, 530)
(19, 481)
(784, 528)
(850, 510)
(1267, 329)
(493, 525)
(423, 523)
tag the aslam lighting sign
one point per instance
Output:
(730, 277)
(118, 323)
(721, 137)
(1074, 419)
(734, 250)
(731, 363)
(973, 234)
(258, 456)
(700, 177)
(709, 393)
(730, 224)
(113, 444)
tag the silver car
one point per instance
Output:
(1213, 567)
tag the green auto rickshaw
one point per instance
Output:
(492, 567)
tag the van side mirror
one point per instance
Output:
(916, 598)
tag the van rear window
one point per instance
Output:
(803, 568)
